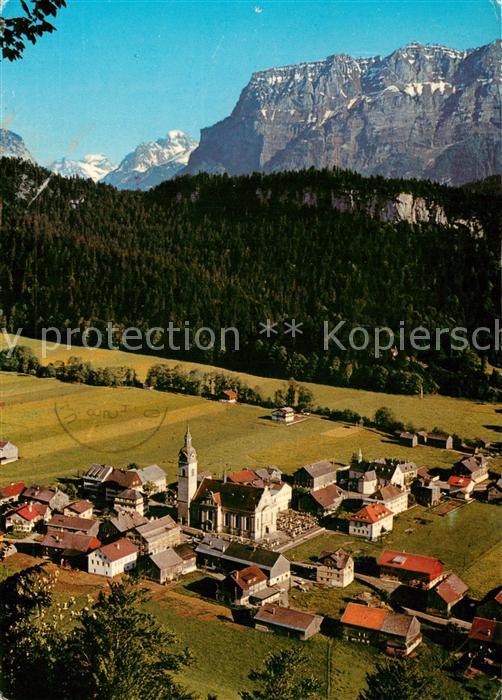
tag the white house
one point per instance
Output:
(113, 559)
(392, 497)
(284, 415)
(154, 476)
(371, 521)
(8, 452)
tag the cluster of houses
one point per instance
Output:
(109, 531)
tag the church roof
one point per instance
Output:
(230, 496)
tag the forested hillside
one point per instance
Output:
(221, 251)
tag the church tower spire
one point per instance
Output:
(187, 478)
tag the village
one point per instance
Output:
(237, 531)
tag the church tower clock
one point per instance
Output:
(187, 478)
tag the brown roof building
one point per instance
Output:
(287, 621)
(398, 634)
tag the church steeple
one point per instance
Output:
(187, 477)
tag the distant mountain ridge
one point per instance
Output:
(91, 166)
(153, 162)
(423, 111)
(13, 146)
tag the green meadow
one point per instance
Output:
(62, 428)
(467, 418)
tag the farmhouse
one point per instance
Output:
(53, 498)
(315, 476)
(8, 452)
(153, 478)
(292, 623)
(171, 563)
(335, 568)
(248, 586)
(157, 535)
(427, 492)
(68, 523)
(113, 559)
(322, 502)
(494, 492)
(371, 521)
(415, 570)
(119, 480)
(392, 497)
(68, 548)
(25, 517)
(229, 396)
(129, 501)
(397, 634)
(445, 595)
(11, 493)
(121, 524)
(460, 487)
(218, 554)
(485, 637)
(475, 468)
(284, 415)
(80, 508)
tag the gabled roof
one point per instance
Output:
(39, 493)
(154, 529)
(166, 559)
(4, 443)
(151, 473)
(123, 522)
(405, 561)
(230, 496)
(71, 522)
(254, 555)
(327, 496)
(12, 490)
(451, 589)
(130, 495)
(247, 577)
(245, 476)
(128, 479)
(371, 513)
(483, 630)
(337, 559)
(459, 482)
(119, 549)
(73, 542)
(99, 472)
(286, 617)
(472, 464)
(79, 506)
(31, 511)
(388, 493)
(377, 619)
(319, 468)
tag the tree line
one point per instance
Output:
(226, 252)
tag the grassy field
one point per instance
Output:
(467, 540)
(467, 418)
(62, 428)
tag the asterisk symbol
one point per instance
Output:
(268, 328)
(293, 328)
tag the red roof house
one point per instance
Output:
(11, 492)
(415, 570)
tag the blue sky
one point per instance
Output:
(118, 72)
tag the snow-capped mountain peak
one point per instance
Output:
(153, 162)
(93, 166)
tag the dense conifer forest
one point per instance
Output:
(219, 252)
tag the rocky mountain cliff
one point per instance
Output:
(13, 146)
(423, 111)
(91, 166)
(153, 162)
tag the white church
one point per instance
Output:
(222, 506)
